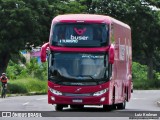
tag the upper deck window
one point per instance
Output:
(80, 35)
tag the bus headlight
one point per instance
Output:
(100, 92)
(56, 92)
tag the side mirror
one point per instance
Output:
(111, 54)
(43, 52)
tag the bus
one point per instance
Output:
(89, 62)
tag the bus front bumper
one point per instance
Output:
(69, 100)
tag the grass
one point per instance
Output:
(27, 86)
(146, 84)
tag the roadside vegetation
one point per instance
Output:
(31, 78)
(140, 81)
(27, 86)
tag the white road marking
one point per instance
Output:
(41, 99)
(26, 103)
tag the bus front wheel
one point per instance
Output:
(59, 107)
(108, 107)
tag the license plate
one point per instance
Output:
(77, 100)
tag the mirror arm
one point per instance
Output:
(43, 52)
(111, 54)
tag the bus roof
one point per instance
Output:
(89, 18)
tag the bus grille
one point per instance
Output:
(77, 95)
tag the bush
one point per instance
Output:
(27, 78)
(17, 88)
(139, 76)
(27, 85)
(32, 69)
(157, 76)
(139, 72)
(140, 80)
(36, 70)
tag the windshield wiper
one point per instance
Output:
(91, 78)
(60, 78)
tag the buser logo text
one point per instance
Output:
(79, 37)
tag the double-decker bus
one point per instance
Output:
(89, 61)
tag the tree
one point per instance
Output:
(146, 29)
(142, 18)
(26, 23)
(15, 20)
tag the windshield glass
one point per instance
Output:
(80, 34)
(79, 66)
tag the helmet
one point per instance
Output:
(3, 73)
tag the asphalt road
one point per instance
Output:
(144, 100)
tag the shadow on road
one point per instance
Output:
(85, 110)
(89, 112)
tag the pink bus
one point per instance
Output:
(89, 62)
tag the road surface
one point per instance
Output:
(142, 100)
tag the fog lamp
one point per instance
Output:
(52, 98)
(102, 99)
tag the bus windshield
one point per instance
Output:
(80, 35)
(78, 67)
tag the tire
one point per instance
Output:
(77, 106)
(59, 108)
(3, 93)
(108, 107)
(121, 105)
(131, 90)
(113, 106)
